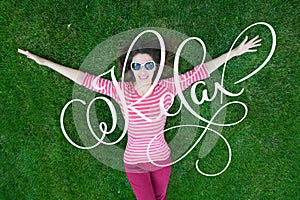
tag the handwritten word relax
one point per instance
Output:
(218, 87)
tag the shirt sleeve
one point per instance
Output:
(101, 85)
(198, 73)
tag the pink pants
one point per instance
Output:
(148, 184)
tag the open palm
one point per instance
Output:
(247, 46)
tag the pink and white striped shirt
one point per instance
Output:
(145, 119)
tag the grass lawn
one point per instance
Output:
(37, 162)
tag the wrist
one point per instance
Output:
(233, 53)
(43, 61)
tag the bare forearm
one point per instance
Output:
(73, 74)
(214, 64)
(244, 47)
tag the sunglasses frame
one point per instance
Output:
(142, 65)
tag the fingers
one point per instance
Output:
(254, 40)
(255, 45)
(23, 52)
(27, 54)
(245, 40)
(257, 41)
(250, 48)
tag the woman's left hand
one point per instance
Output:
(245, 46)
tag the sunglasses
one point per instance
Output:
(137, 66)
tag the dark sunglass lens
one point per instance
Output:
(149, 65)
(136, 66)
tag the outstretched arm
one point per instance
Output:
(245, 46)
(73, 74)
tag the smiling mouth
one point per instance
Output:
(143, 77)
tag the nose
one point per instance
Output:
(143, 69)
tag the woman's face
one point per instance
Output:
(143, 76)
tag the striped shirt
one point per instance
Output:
(146, 117)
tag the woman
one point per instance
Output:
(146, 118)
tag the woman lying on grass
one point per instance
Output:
(148, 181)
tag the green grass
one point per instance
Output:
(37, 162)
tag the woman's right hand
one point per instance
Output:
(34, 57)
(75, 75)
